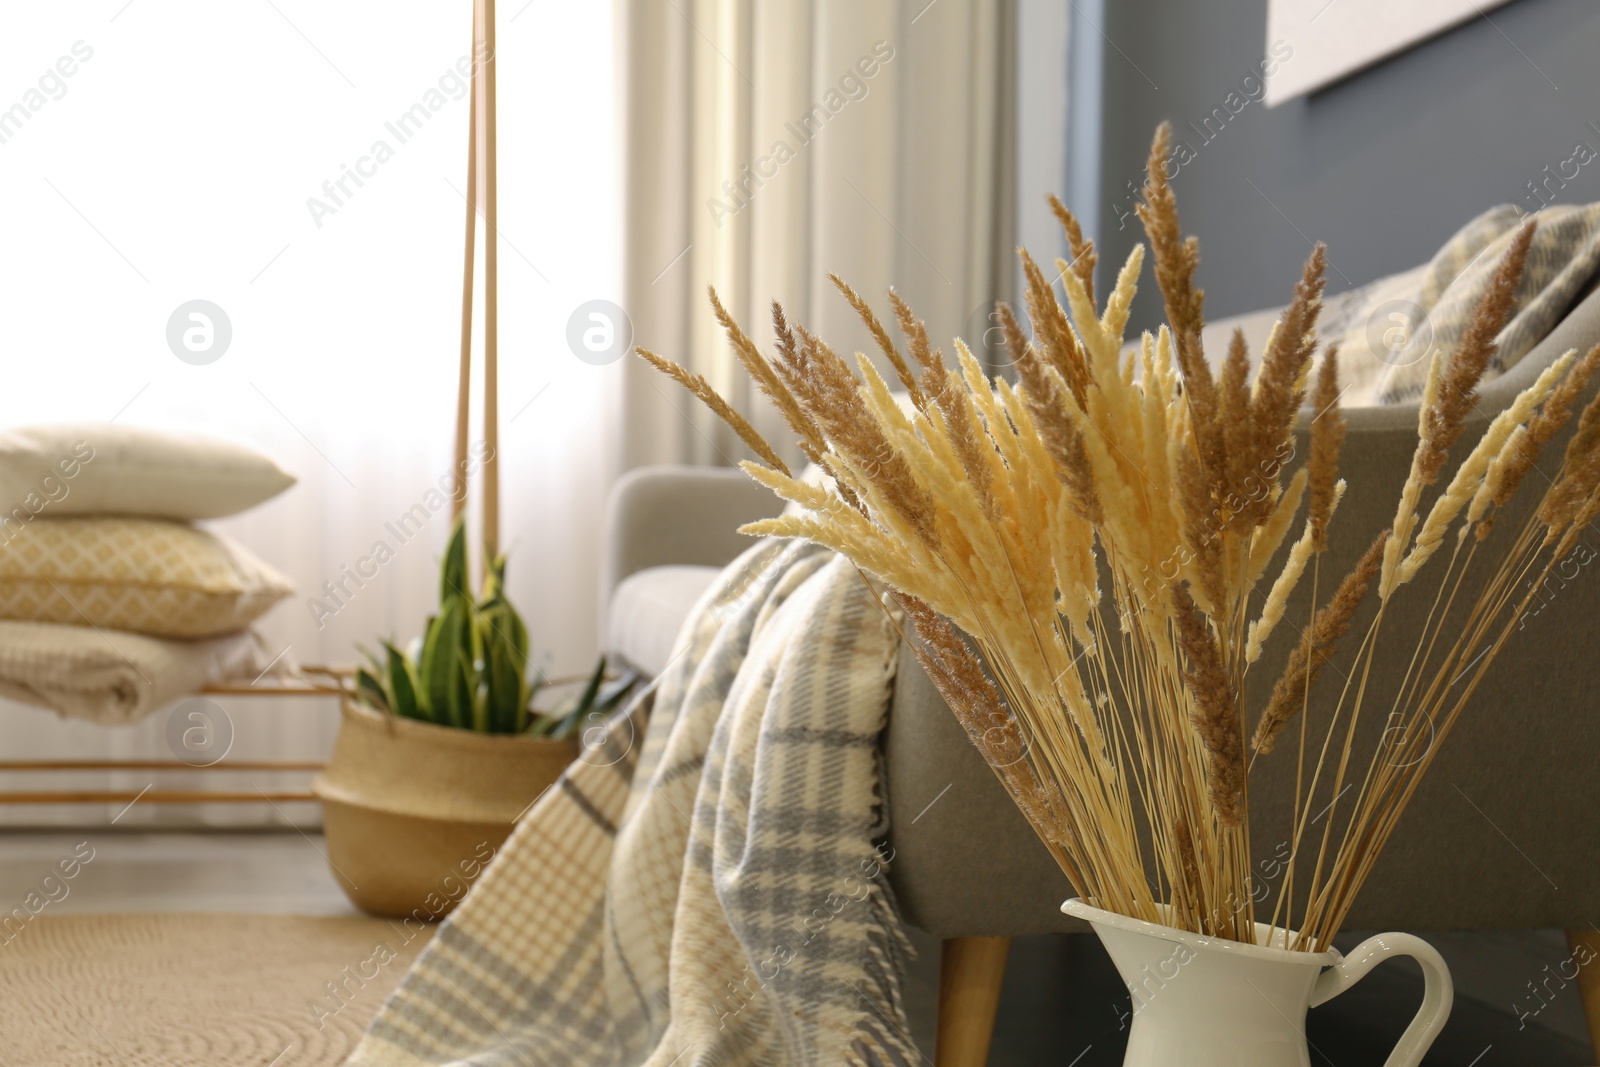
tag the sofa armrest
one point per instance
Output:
(658, 516)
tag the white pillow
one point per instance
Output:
(101, 468)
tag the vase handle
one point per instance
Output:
(1438, 993)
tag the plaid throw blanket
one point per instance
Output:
(1388, 329)
(712, 895)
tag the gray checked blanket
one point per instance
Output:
(705, 890)
(1388, 329)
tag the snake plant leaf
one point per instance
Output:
(467, 680)
(402, 684)
(527, 718)
(545, 724)
(372, 659)
(377, 671)
(470, 668)
(438, 669)
(592, 690)
(611, 698)
(473, 630)
(504, 638)
(504, 665)
(371, 692)
(471, 708)
(453, 572)
(562, 723)
(502, 620)
(541, 723)
(494, 582)
(589, 706)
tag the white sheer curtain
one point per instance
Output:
(180, 160)
(769, 144)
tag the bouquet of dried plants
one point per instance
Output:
(1102, 531)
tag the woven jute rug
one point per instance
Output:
(195, 990)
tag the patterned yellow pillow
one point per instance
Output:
(146, 575)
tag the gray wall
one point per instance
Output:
(1383, 167)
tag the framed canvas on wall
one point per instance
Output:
(1327, 40)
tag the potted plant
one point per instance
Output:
(441, 748)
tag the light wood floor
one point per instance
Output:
(267, 873)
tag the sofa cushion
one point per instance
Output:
(647, 610)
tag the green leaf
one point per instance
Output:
(402, 684)
(494, 583)
(470, 667)
(503, 677)
(372, 659)
(612, 698)
(472, 629)
(469, 698)
(594, 703)
(370, 691)
(562, 723)
(453, 570)
(528, 721)
(568, 714)
(590, 691)
(550, 723)
(504, 639)
(440, 670)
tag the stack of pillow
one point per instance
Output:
(112, 602)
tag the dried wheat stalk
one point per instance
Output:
(1117, 714)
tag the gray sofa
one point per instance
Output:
(1504, 833)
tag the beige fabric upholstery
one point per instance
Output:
(647, 610)
(1361, 369)
(677, 515)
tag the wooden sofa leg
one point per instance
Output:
(971, 970)
(1585, 946)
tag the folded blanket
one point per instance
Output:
(1388, 330)
(114, 677)
(729, 908)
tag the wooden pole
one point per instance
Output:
(971, 972)
(1585, 945)
(158, 765)
(152, 796)
(464, 380)
(491, 301)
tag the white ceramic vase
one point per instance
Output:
(1205, 1002)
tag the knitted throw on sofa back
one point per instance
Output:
(1390, 329)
